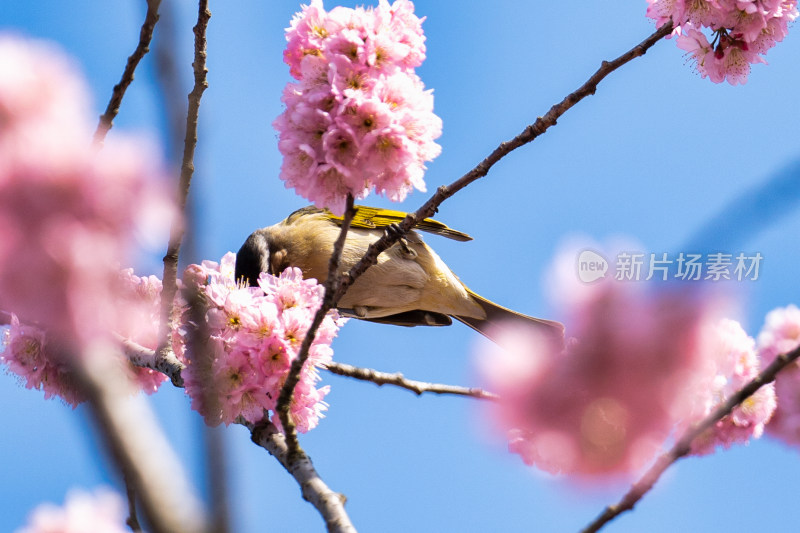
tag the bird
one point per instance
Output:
(409, 286)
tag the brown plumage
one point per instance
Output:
(409, 286)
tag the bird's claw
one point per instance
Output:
(393, 230)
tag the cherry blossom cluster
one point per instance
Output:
(781, 335)
(100, 512)
(40, 365)
(69, 214)
(639, 366)
(607, 402)
(255, 334)
(358, 118)
(27, 355)
(742, 31)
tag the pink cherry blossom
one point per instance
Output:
(256, 333)
(41, 97)
(70, 215)
(140, 301)
(742, 31)
(100, 512)
(780, 335)
(702, 53)
(608, 401)
(358, 118)
(28, 355)
(639, 366)
(735, 362)
(42, 365)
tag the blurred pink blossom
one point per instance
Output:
(780, 335)
(100, 512)
(256, 333)
(735, 362)
(742, 32)
(69, 214)
(140, 300)
(358, 118)
(639, 367)
(28, 356)
(606, 404)
(41, 365)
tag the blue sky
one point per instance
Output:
(653, 157)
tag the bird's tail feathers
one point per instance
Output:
(498, 316)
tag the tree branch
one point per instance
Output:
(202, 362)
(166, 363)
(683, 446)
(397, 379)
(329, 302)
(137, 444)
(330, 504)
(145, 36)
(528, 134)
(170, 277)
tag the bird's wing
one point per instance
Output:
(378, 218)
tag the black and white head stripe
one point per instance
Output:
(252, 258)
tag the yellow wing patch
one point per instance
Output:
(376, 218)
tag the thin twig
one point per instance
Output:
(397, 379)
(329, 302)
(684, 445)
(528, 134)
(170, 286)
(137, 444)
(330, 504)
(145, 357)
(112, 109)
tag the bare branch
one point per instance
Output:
(187, 169)
(683, 446)
(528, 134)
(330, 504)
(145, 36)
(329, 302)
(397, 379)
